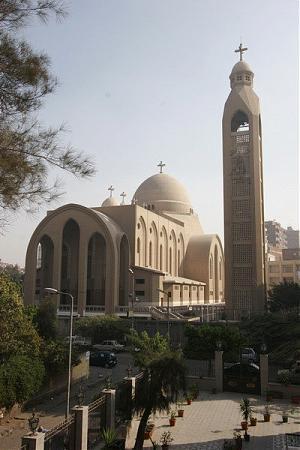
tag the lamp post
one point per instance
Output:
(57, 292)
(168, 310)
(131, 295)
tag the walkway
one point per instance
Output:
(213, 418)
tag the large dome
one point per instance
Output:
(161, 192)
(111, 201)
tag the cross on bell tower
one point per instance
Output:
(111, 189)
(241, 50)
(161, 165)
(123, 195)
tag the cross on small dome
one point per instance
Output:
(161, 165)
(241, 50)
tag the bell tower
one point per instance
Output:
(244, 233)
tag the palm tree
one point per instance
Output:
(158, 388)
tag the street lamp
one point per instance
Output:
(57, 292)
(130, 270)
(168, 309)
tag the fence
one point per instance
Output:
(62, 436)
(96, 421)
(292, 440)
(123, 405)
(200, 369)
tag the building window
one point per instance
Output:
(239, 77)
(140, 281)
(287, 268)
(176, 287)
(140, 293)
(150, 254)
(210, 268)
(274, 269)
(138, 245)
(248, 77)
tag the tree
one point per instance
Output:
(284, 296)
(45, 319)
(163, 377)
(21, 370)
(18, 335)
(20, 377)
(28, 150)
(202, 341)
(14, 271)
(101, 328)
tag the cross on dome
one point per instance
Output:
(241, 50)
(111, 189)
(123, 195)
(161, 165)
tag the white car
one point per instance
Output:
(248, 355)
(111, 345)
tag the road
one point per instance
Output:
(51, 412)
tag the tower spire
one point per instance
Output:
(241, 50)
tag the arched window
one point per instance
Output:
(210, 268)
(150, 254)
(70, 258)
(170, 262)
(123, 276)
(44, 266)
(96, 270)
(239, 122)
(160, 257)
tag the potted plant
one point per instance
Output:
(165, 440)
(180, 409)
(246, 436)
(188, 398)
(194, 391)
(237, 439)
(149, 430)
(253, 421)
(246, 411)
(172, 419)
(285, 417)
(111, 441)
(267, 414)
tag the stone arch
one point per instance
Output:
(96, 271)
(69, 260)
(142, 235)
(173, 254)
(239, 122)
(123, 275)
(164, 249)
(180, 254)
(154, 239)
(44, 266)
(216, 273)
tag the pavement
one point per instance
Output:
(213, 418)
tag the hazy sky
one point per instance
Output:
(146, 80)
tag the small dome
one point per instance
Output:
(111, 201)
(161, 192)
(241, 66)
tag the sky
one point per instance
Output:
(146, 80)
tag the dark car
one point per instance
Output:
(242, 377)
(103, 359)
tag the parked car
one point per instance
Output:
(248, 355)
(103, 359)
(79, 340)
(242, 377)
(110, 345)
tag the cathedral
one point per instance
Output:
(153, 252)
(119, 256)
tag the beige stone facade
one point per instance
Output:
(243, 197)
(278, 271)
(89, 251)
